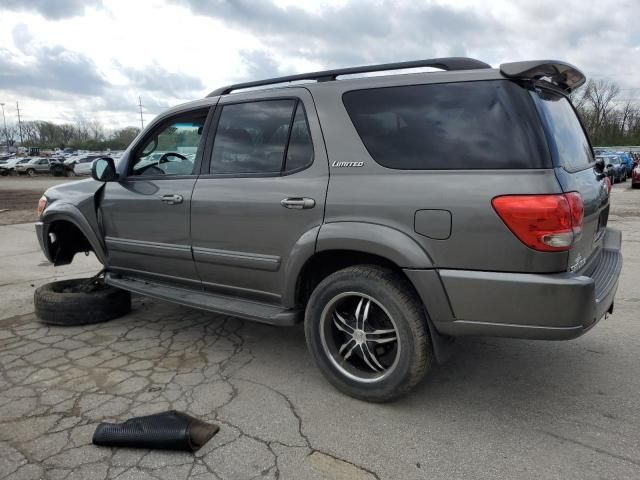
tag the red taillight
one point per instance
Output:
(607, 182)
(548, 223)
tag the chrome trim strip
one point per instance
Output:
(144, 247)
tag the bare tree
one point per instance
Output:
(67, 133)
(599, 99)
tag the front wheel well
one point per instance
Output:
(64, 240)
(323, 264)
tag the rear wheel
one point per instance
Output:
(31, 172)
(367, 332)
(80, 301)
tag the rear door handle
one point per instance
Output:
(171, 199)
(298, 203)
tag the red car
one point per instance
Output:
(635, 177)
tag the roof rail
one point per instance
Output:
(450, 63)
(562, 74)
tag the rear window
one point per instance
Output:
(567, 140)
(465, 125)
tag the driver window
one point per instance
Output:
(172, 149)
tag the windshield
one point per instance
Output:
(567, 140)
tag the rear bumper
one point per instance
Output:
(519, 305)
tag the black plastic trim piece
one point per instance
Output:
(446, 63)
(562, 74)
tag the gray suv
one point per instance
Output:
(388, 213)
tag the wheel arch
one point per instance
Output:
(67, 221)
(333, 246)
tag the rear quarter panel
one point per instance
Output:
(371, 193)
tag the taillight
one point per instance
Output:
(607, 182)
(548, 223)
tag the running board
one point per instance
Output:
(212, 302)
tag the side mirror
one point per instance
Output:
(104, 170)
(599, 166)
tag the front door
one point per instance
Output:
(146, 213)
(261, 193)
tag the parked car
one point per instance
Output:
(35, 165)
(58, 168)
(9, 168)
(83, 165)
(627, 162)
(617, 166)
(635, 177)
(346, 204)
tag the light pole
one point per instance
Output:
(6, 135)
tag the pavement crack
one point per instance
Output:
(591, 447)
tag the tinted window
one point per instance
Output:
(300, 150)
(567, 139)
(252, 137)
(471, 125)
(172, 149)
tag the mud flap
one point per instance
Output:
(442, 345)
(170, 430)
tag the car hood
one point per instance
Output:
(75, 192)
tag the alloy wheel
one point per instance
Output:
(360, 337)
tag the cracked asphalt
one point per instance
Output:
(498, 409)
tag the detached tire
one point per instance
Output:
(367, 331)
(69, 302)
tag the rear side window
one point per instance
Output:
(466, 125)
(300, 149)
(567, 140)
(263, 137)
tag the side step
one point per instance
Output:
(212, 302)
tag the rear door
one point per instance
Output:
(574, 160)
(146, 213)
(261, 193)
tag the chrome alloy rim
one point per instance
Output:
(360, 337)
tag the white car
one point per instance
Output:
(83, 165)
(8, 167)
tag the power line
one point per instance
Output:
(19, 123)
(140, 105)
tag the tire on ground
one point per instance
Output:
(63, 303)
(398, 296)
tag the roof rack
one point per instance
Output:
(450, 63)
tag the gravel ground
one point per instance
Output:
(498, 409)
(19, 196)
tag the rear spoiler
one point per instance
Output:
(562, 74)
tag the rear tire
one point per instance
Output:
(66, 302)
(31, 172)
(367, 332)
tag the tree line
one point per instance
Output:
(82, 135)
(609, 118)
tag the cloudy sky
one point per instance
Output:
(66, 59)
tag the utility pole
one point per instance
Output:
(6, 134)
(141, 121)
(19, 123)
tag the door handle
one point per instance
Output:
(171, 199)
(298, 203)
